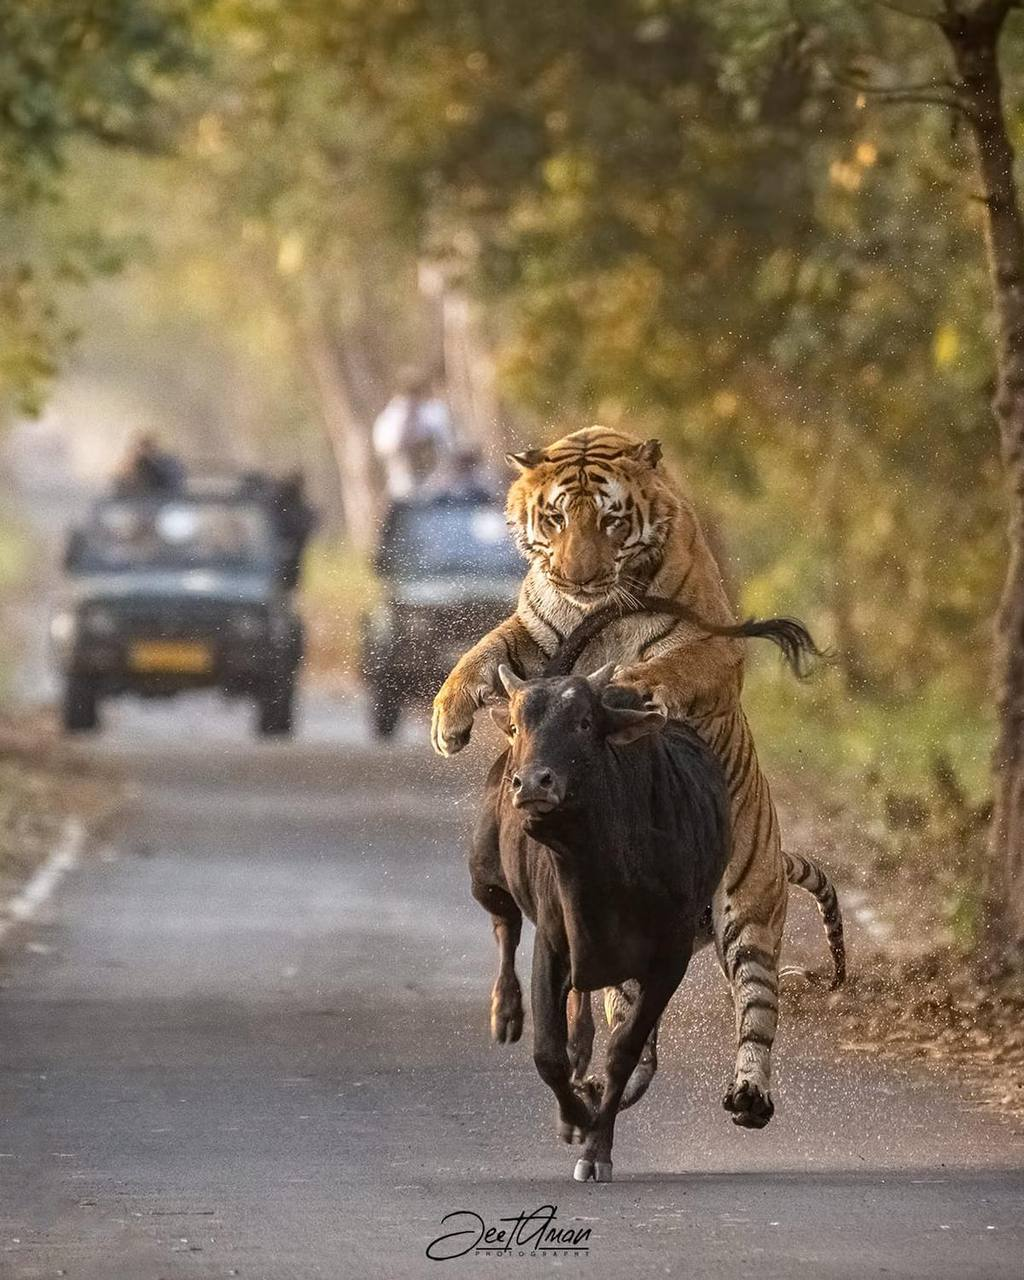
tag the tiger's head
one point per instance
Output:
(593, 512)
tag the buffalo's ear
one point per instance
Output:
(626, 725)
(649, 451)
(525, 461)
(499, 714)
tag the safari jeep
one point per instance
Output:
(171, 593)
(449, 573)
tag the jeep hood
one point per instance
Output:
(197, 584)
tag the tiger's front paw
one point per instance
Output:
(452, 722)
(657, 696)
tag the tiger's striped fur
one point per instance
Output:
(599, 522)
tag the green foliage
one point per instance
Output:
(70, 69)
(684, 222)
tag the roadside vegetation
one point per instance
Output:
(42, 788)
(338, 588)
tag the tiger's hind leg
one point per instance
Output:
(749, 912)
(618, 1006)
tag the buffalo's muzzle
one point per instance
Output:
(536, 789)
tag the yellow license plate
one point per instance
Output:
(173, 657)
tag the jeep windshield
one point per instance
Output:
(175, 534)
(443, 539)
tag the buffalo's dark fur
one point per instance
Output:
(613, 849)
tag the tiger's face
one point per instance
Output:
(592, 513)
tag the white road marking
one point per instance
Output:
(41, 887)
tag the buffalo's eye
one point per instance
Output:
(586, 724)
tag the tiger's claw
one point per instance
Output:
(450, 727)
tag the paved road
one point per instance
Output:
(250, 1041)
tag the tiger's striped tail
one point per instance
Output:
(807, 875)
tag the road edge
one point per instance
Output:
(24, 905)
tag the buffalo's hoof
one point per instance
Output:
(570, 1133)
(598, 1170)
(750, 1107)
(507, 1024)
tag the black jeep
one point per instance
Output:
(449, 573)
(174, 592)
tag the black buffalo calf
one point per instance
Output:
(613, 834)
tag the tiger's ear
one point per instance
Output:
(649, 451)
(526, 460)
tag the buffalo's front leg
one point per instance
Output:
(580, 1014)
(490, 890)
(581, 1032)
(506, 994)
(625, 1046)
(549, 991)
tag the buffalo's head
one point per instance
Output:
(559, 731)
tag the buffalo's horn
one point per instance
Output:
(510, 680)
(602, 677)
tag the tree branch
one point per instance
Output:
(889, 96)
(922, 94)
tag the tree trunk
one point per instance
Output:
(348, 435)
(831, 485)
(973, 37)
(470, 376)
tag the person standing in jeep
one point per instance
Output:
(148, 469)
(413, 436)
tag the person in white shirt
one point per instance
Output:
(413, 436)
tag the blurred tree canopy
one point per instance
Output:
(104, 70)
(686, 221)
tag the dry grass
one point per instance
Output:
(915, 991)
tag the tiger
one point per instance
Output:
(599, 520)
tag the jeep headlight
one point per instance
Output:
(98, 620)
